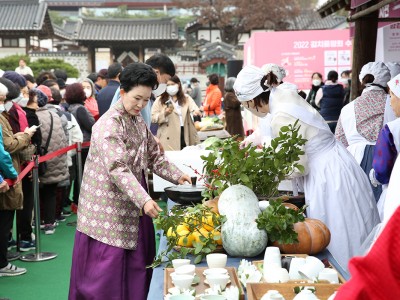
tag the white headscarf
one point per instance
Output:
(379, 70)
(394, 85)
(394, 68)
(248, 83)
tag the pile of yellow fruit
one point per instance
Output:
(190, 230)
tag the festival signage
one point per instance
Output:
(301, 53)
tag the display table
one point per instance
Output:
(222, 134)
(157, 282)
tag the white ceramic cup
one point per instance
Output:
(311, 268)
(216, 260)
(186, 270)
(270, 250)
(276, 275)
(183, 282)
(181, 297)
(329, 274)
(212, 297)
(272, 260)
(176, 263)
(295, 265)
(218, 279)
(215, 271)
(272, 295)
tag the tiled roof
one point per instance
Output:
(108, 3)
(311, 20)
(216, 50)
(68, 30)
(23, 16)
(128, 30)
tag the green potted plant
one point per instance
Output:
(259, 169)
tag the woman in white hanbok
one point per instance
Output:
(337, 191)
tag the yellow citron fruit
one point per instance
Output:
(208, 223)
(181, 227)
(170, 232)
(186, 239)
(201, 232)
(217, 233)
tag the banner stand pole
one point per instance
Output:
(79, 164)
(37, 256)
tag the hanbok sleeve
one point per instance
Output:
(385, 154)
(339, 133)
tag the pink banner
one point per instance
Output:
(301, 53)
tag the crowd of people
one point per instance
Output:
(131, 114)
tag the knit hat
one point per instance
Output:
(394, 85)
(248, 83)
(46, 90)
(379, 70)
(15, 77)
(41, 97)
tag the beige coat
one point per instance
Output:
(13, 144)
(169, 127)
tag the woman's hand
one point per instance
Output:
(151, 208)
(30, 130)
(168, 110)
(197, 113)
(4, 187)
(184, 178)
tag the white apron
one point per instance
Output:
(337, 190)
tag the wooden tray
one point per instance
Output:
(255, 291)
(259, 263)
(219, 249)
(201, 287)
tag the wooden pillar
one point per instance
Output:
(27, 44)
(141, 53)
(112, 53)
(91, 59)
(364, 46)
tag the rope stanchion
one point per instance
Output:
(37, 256)
(79, 164)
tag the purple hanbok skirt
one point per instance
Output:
(103, 272)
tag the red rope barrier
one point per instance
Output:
(42, 159)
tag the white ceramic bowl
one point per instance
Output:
(329, 274)
(295, 264)
(212, 297)
(215, 271)
(311, 268)
(183, 282)
(186, 270)
(276, 275)
(218, 279)
(180, 262)
(272, 295)
(181, 297)
(216, 260)
(305, 295)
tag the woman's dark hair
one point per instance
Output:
(302, 94)
(262, 99)
(369, 78)
(180, 95)
(74, 94)
(333, 76)
(213, 78)
(316, 73)
(56, 95)
(32, 95)
(43, 76)
(137, 74)
(13, 89)
(29, 77)
(50, 83)
(61, 74)
(162, 63)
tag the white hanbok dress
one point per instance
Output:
(337, 190)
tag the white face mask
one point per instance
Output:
(8, 106)
(316, 82)
(23, 102)
(255, 112)
(344, 80)
(2, 108)
(62, 92)
(172, 90)
(161, 89)
(88, 93)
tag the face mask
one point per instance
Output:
(344, 80)
(23, 102)
(316, 82)
(255, 112)
(62, 92)
(161, 89)
(88, 93)
(2, 108)
(8, 105)
(172, 90)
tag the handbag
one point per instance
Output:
(43, 150)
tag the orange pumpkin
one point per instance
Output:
(290, 205)
(213, 204)
(313, 235)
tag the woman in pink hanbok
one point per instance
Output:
(115, 238)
